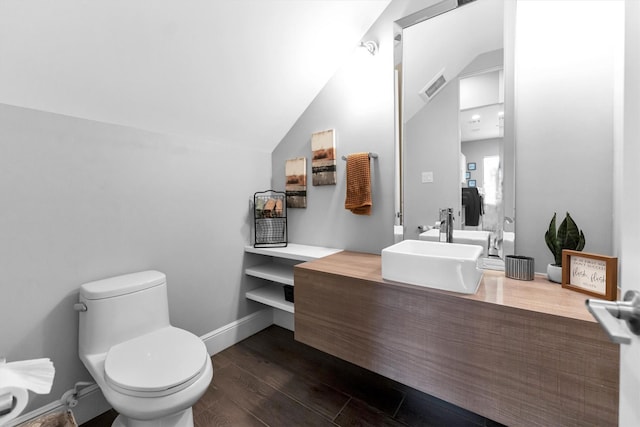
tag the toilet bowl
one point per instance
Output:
(149, 371)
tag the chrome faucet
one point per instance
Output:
(446, 225)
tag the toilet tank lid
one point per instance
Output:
(121, 285)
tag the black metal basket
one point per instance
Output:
(270, 219)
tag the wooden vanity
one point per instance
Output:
(523, 353)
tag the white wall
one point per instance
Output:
(565, 121)
(564, 135)
(358, 103)
(199, 68)
(83, 200)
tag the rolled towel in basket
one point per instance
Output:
(278, 208)
(269, 207)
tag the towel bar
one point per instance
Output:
(371, 156)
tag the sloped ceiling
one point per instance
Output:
(229, 71)
(447, 43)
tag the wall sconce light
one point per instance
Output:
(371, 46)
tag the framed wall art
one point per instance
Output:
(296, 182)
(591, 274)
(323, 160)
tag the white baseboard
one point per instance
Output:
(236, 331)
(91, 401)
(90, 405)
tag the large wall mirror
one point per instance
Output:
(455, 116)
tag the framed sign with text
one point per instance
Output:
(595, 275)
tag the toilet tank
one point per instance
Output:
(121, 308)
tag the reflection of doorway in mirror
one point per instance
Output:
(486, 154)
(490, 179)
(481, 126)
(491, 193)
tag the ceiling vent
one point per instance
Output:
(434, 86)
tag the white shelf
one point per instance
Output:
(295, 251)
(276, 272)
(280, 272)
(272, 296)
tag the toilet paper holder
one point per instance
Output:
(6, 399)
(17, 379)
(6, 403)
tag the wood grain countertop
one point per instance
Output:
(522, 353)
(538, 295)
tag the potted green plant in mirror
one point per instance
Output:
(567, 236)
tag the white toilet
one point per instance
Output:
(149, 371)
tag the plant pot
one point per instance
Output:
(554, 273)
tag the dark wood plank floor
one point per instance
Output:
(269, 379)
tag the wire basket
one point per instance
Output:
(270, 217)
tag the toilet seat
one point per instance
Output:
(156, 364)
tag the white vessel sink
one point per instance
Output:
(448, 266)
(467, 237)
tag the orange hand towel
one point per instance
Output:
(358, 199)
